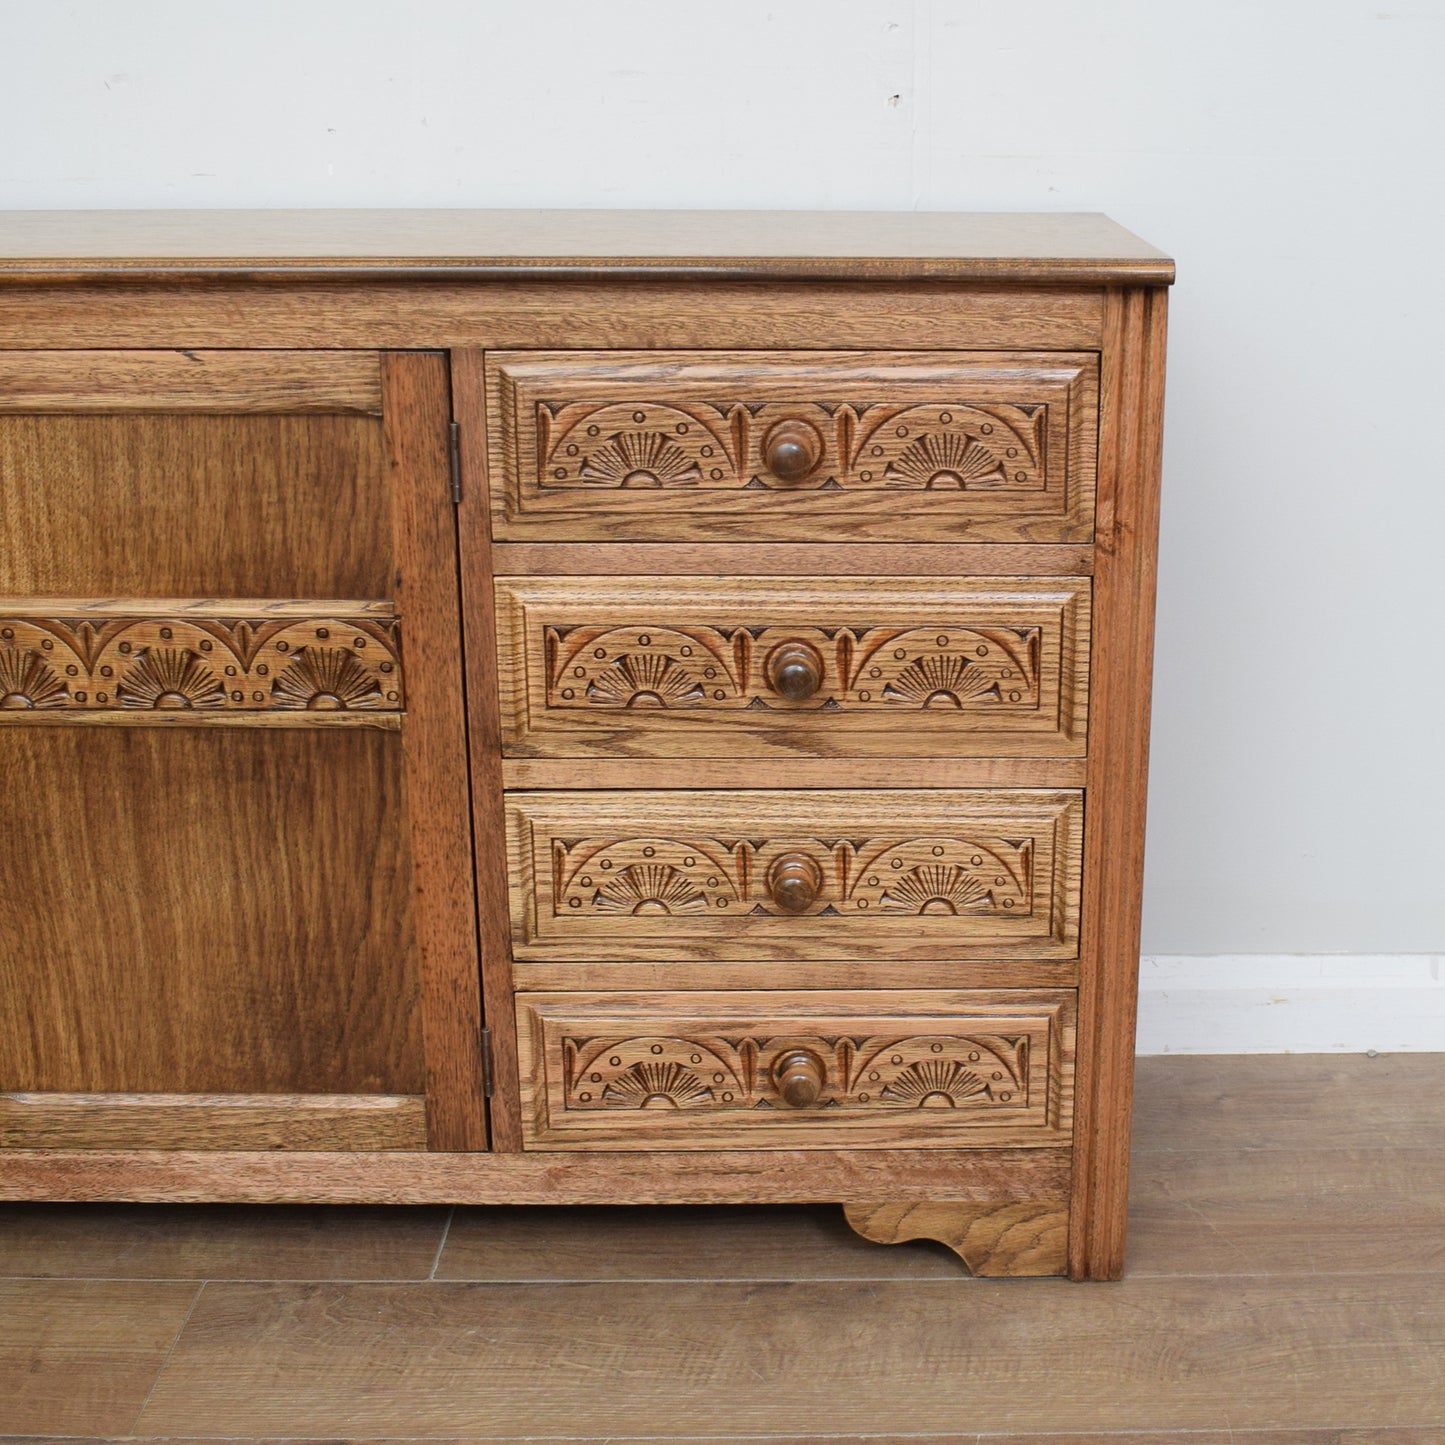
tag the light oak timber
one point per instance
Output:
(194, 505)
(190, 381)
(586, 974)
(1425, 1435)
(645, 667)
(484, 739)
(266, 608)
(678, 446)
(1017, 247)
(783, 559)
(793, 772)
(596, 315)
(416, 402)
(994, 1240)
(212, 1121)
(258, 884)
(1124, 581)
(679, 876)
(732, 1176)
(309, 721)
(924, 1069)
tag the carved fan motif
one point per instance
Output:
(945, 678)
(645, 1085)
(168, 678)
(935, 1082)
(27, 682)
(642, 679)
(935, 888)
(945, 459)
(641, 459)
(649, 888)
(325, 679)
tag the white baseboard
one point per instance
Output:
(1291, 1004)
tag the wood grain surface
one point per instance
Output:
(1406, 1435)
(258, 884)
(595, 314)
(1081, 246)
(1024, 1238)
(193, 506)
(1124, 580)
(954, 560)
(417, 402)
(843, 1358)
(1246, 1102)
(217, 1241)
(489, 837)
(732, 1176)
(190, 381)
(642, 667)
(682, 1243)
(533, 774)
(212, 1121)
(79, 1357)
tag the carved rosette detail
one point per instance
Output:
(974, 1072)
(919, 877)
(706, 668)
(717, 446)
(200, 664)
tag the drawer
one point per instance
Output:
(751, 446)
(885, 874)
(675, 667)
(796, 1070)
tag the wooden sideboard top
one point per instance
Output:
(1080, 247)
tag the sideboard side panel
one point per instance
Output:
(1124, 579)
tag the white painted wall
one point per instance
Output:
(1286, 151)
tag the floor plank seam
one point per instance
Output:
(161, 1369)
(442, 1243)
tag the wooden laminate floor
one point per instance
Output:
(1286, 1287)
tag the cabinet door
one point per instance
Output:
(233, 843)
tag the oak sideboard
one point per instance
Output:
(579, 707)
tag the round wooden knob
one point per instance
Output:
(794, 881)
(795, 670)
(798, 1075)
(792, 450)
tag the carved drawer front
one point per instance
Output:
(843, 446)
(795, 1070)
(674, 667)
(685, 876)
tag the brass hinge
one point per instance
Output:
(456, 457)
(487, 1062)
